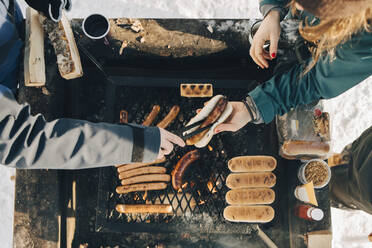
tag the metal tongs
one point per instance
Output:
(185, 135)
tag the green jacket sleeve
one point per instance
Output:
(267, 5)
(30, 142)
(352, 64)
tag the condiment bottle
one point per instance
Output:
(308, 212)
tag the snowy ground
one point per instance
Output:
(351, 112)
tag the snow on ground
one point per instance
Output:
(350, 116)
(350, 112)
(6, 205)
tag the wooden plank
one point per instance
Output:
(34, 62)
(75, 56)
(62, 38)
(71, 218)
(37, 209)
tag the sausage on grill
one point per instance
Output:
(151, 116)
(140, 187)
(169, 118)
(146, 178)
(181, 167)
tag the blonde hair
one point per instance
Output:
(330, 33)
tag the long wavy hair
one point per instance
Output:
(330, 33)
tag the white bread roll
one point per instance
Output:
(249, 214)
(251, 180)
(252, 163)
(299, 147)
(250, 196)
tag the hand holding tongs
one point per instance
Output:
(183, 132)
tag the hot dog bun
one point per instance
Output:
(196, 90)
(251, 180)
(299, 147)
(250, 214)
(203, 114)
(250, 196)
(252, 163)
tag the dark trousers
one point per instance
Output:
(351, 184)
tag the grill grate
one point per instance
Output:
(199, 206)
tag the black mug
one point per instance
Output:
(96, 26)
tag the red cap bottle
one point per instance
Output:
(308, 212)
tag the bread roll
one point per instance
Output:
(196, 90)
(251, 180)
(299, 147)
(252, 163)
(249, 214)
(250, 196)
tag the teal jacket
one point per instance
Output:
(327, 79)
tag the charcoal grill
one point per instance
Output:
(204, 180)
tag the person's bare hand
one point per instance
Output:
(238, 118)
(269, 30)
(167, 142)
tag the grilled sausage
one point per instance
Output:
(151, 116)
(142, 171)
(169, 118)
(127, 167)
(144, 209)
(146, 178)
(252, 163)
(212, 117)
(181, 167)
(140, 187)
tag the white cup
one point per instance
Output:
(96, 26)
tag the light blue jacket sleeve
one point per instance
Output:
(30, 142)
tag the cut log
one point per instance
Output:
(63, 41)
(34, 62)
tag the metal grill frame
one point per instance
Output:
(252, 140)
(107, 220)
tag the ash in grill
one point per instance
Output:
(199, 205)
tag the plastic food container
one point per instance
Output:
(316, 169)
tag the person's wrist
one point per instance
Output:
(251, 107)
(273, 14)
(247, 110)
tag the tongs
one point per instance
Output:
(183, 131)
